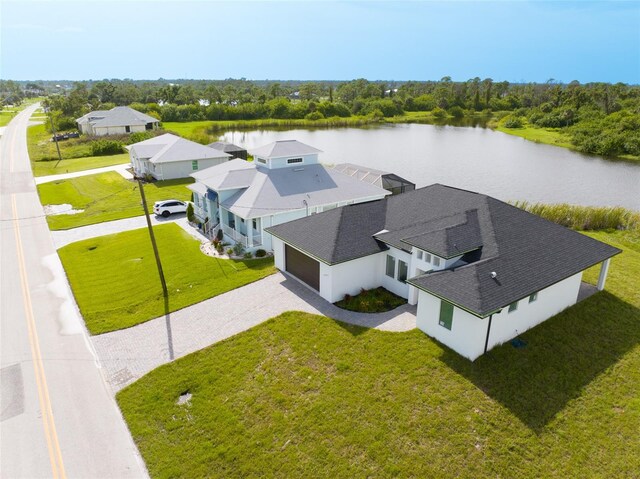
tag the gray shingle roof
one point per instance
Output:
(527, 252)
(118, 116)
(170, 148)
(283, 148)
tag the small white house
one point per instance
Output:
(481, 271)
(168, 156)
(284, 182)
(117, 121)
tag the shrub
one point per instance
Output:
(260, 253)
(439, 113)
(456, 111)
(238, 249)
(230, 251)
(513, 122)
(106, 147)
(314, 115)
(220, 235)
(139, 136)
(248, 255)
(190, 216)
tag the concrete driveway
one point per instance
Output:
(128, 354)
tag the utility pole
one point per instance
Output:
(55, 134)
(153, 238)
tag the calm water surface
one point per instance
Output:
(477, 159)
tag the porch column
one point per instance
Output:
(249, 225)
(604, 269)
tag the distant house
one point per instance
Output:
(118, 120)
(389, 181)
(233, 150)
(481, 271)
(284, 182)
(168, 156)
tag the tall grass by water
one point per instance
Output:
(585, 217)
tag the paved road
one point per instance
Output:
(58, 417)
(130, 353)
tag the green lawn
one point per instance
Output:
(115, 280)
(7, 115)
(305, 396)
(105, 197)
(45, 168)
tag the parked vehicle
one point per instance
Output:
(168, 207)
(65, 136)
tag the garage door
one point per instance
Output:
(302, 266)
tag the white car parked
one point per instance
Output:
(168, 207)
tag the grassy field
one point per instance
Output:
(305, 396)
(45, 168)
(7, 114)
(548, 136)
(115, 280)
(105, 197)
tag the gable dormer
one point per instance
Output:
(285, 154)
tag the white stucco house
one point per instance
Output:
(118, 120)
(480, 270)
(284, 182)
(168, 156)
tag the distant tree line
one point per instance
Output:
(600, 118)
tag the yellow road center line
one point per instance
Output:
(51, 435)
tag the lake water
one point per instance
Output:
(477, 159)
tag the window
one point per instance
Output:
(533, 297)
(294, 160)
(255, 224)
(427, 257)
(204, 205)
(402, 271)
(196, 200)
(419, 254)
(513, 306)
(261, 160)
(446, 314)
(436, 261)
(391, 266)
(127, 129)
(194, 165)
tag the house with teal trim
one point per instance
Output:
(284, 182)
(481, 271)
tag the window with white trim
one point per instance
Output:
(427, 257)
(261, 160)
(419, 254)
(291, 161)
(194, 165)
(513, 306)
(436, 261)
(533, 297)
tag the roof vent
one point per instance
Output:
(494, 275)
(298, 169)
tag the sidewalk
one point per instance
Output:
(129, 354)
(64, 237)
(121, 168)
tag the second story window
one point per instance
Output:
(291, 161)
(436, 261)
(261, 160)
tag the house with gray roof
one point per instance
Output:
(284, 182)
(117, 121)
(480, 270)
(168, 156)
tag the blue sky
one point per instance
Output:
(321, 40)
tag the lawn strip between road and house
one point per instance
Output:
(105, 197)
(115, 281)
(305, 396)
(46, 168)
